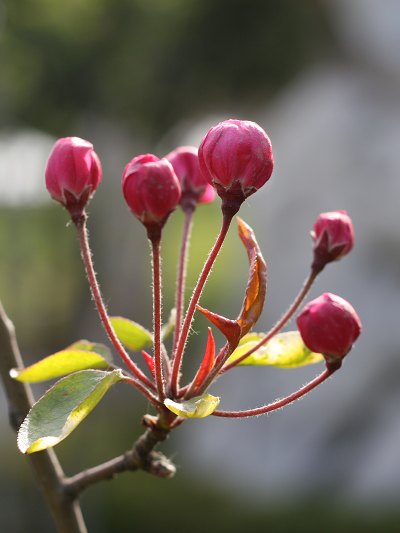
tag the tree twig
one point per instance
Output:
(48, 472)
(141, 457)
(61, 493)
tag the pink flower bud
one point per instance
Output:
(329, 325)
(208, 196)
(333, 237)
(73, 173)
(151, 190)
(195, 187)
(236, 157)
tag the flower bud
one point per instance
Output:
(333, 237)
(329, 325)
(236, 157)
(73, 173)
(195, 187)
(151, 190)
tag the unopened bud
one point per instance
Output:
(73, 173)
(329, 325)
(195, 187)
(151, 190)
(333, 237)
(236, 157)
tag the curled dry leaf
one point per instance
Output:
(256, 289)
(254, 298)
(229, 328)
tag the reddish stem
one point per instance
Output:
(152, 399)
(177, 361)
(181, 278)
(158, 368)
(279, 403)
(80, 224)
(279, 325)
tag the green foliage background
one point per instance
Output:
(148, 63)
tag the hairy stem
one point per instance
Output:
(65, 510)
(177, 361)
(181, 277)
(138, 385)
(80, 223)
(158, 356)
(279, 403)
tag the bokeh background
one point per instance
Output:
(133, 76)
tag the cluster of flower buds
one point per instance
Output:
(235, 159)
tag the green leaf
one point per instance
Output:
(132, 335)
(63, 407)
(198, 407)
(78, 356)
(285, 350)
(97, 347)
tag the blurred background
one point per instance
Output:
(133, 76)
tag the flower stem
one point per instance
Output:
(279, 403)
(177, 361)
(138, 385)
(158, 364)
(181, 278)
(279, 325)
(80, 224)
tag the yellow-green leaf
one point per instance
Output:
(132, 335)
(97, 347)
(198, 407)
(63, 407)
(285, 350)
(74, 358)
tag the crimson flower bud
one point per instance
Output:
(195, 187)
(151, 190)
(333, 237)
(236, 157)
(73, 173)
(329, 325)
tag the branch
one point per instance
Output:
(48, 472)
(141, 457)
(61, 493)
